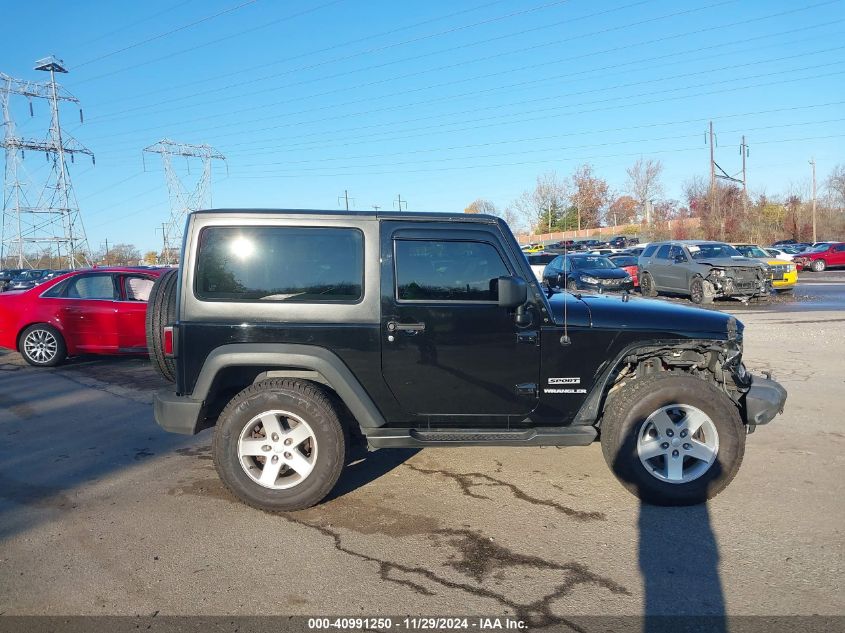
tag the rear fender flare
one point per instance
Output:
(294, 361)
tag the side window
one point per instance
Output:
(91, 287)
(137, 288)
(447, 271)
(663, 253)
(567, 266)
(557, 263)
(840, 248)
(649, 250)
(280, 263)
(677, 251)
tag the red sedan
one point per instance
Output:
(628, 263)
(821, 257)
(90, 311)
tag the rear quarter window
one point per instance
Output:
(280, 264)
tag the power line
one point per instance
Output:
(474, 78)
(163, 35)
(137, 22)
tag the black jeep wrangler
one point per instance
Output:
(293, 331)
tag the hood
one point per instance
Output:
(611, 312)
(727, 262)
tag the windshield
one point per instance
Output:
(625, 261)
(820, 248)
(752, 251)
(588, 263)
(713, 250)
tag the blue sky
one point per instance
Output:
(441, 102)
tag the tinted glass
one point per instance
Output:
(536, 260)
(288, 264)
(447, 271)
(752, 251)
(591, 263)
(713, 250)
(624, 261)
(648, 251)
(90, 287)
(663, 253)
(677, 251)
(839, 248)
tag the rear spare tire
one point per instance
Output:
(161, 311)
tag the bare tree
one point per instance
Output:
(835, 185)
(590, 196)
(480, 205)
(644, 181)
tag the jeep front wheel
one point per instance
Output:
(672, 439)
(279, 445)
(700, 291)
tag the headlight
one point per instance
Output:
(589, 280)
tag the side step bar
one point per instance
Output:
(540, 436)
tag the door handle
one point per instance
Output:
(412, 328)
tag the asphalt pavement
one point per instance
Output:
(101, 512)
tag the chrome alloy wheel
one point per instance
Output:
(277, 449)
(41, 346)
(678, 443)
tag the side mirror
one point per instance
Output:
(513, 292)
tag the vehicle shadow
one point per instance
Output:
(364, 467)
(678, 558)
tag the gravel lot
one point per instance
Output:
(103, 513)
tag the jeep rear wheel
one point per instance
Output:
(818, 265)
(673, 439)
(279, 445)
(647, 285)
(161, 311)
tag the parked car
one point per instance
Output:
(532, 248)
(825, 255)
(586, 272)
(27, 279)
(90, 311)
(539, 261)
(620, 241)
(628, 263)
(783, 275)
(702, 271)
(7, 274)
(779, 253)
(448, 342)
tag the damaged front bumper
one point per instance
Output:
(763, 400)
(727, 286)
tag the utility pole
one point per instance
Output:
(345, 197)
(106, 256)
(399, 202)
(165, 251)
(714, 198)
(813, 163)
(53, 223)
(376, 207)
(743, 149)
(182, 202)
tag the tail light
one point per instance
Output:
(168, 341)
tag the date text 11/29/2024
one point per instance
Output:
(419, 623)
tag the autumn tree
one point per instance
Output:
(480, 205)
(623, 210)
(122, 255)
(150, 258)
(644, 182)
(589, 196)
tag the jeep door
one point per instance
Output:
(449, 351)
(676, 276)
(659, 268)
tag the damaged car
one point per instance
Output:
(703, 271)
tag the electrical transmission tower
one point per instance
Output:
(182, 201)
(41, 222)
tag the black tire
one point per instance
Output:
(623, 421)
(53, 349)
(161, 311)
(818, 265)
(301, 399)
(700, 291)
(647, 288)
